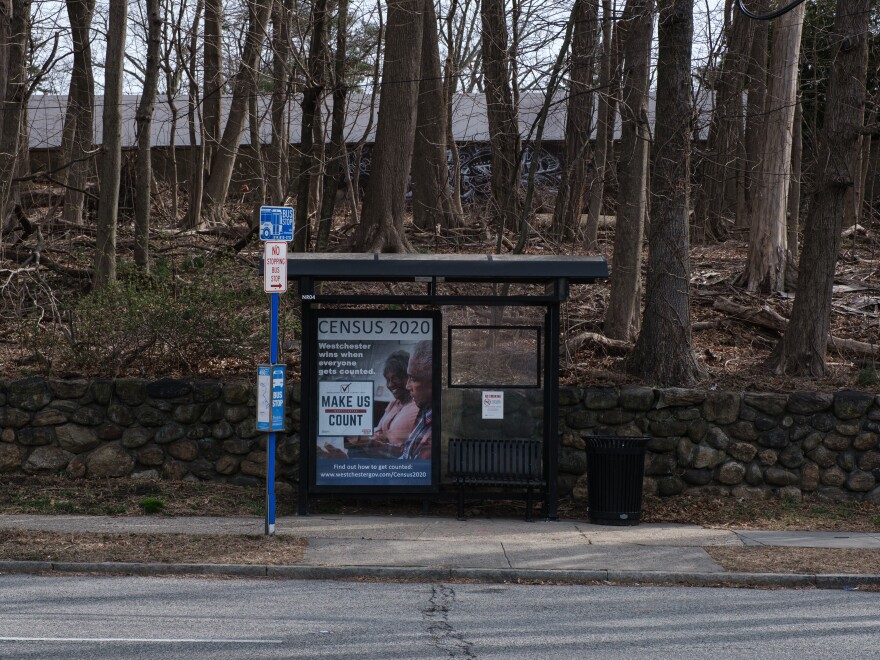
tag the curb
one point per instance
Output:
(431, 574)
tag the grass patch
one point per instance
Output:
(152, 504)
(763, 559)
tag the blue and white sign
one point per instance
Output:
(270, 397)
(276, 223)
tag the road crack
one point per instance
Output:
(443, 635)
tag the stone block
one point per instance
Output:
(722, 407)
(580, 419)
(865, 441)
(151, 455)
(833, 476)
(236, 393)
(205, 391)
(101, 390)
(168, 388)
(697, 477)
(119, 414)
(769, 404)
(767, 457)
(136, 436)
(809, 476)
(600, 398)
(149, 416)
(36, 436)
(572, 461)
(706, 457)
(76, 439)
(87, 416)
(227, 464)
(47, 460)
(130, 391)
(636, 398)
(13, 417)
(836, 442)
(860, 481)
(203, 469)
(174, 470)
(742, 451)
(822, 456)
(670, 486)
(774, 438)
(754, 475)
(846, 460)
(731, 473)
(662, 445)
(812, 441)
(749, 493)
(846, 429)
(48, 417)
(776, 476)
(616, 416)
(791, 457)
(679, 397)
(659, 464)
(109, 461)
(169, 433)
(743, 430)
(850, 405)
(568, 396)
(222, 430)
(790, 493)
(822, 422)
(69, 389)
(807, 403)
(236, 414)
(11, 457)
(184, 450)
(30, 394)
(188, 413)
(108, 432)
(870, 460)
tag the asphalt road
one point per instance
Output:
(120, 617)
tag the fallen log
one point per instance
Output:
(765, 317)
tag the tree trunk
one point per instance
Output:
(282, 10)
(258, 171)
(578, 123)
(143, 168)
(309, 166)
(243, 86)
(81, 102)
(337, 162)
(723, 150)
(197, 139)
(609, 77)
(794, 191)
(755, 106)
(5, 35)
(502, 115)
(382, 218)
(663, 353)
(213, 81)
(801, 351)
(432, 201)
(768, 244)
(622, 319)
(111, 145)
(13, 107)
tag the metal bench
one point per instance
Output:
(515, 463)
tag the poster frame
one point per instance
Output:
(436, 421)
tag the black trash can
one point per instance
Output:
(615, 469)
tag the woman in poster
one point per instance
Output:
(420, 385)
(395, 426)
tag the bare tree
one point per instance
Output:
(337, 161)
(755, 106)
(432, 201)
(502, 115)
(213, 81)
(801, 351)
(720, 180)
(768, 244)
(196, 125)
(144, 117)
(382, 217)
(579, 122)
(111, 145)
(663, 352)
(13, 108)
(244, 85)
(311, 166)
(609, 85)
(279, 167)
(622, 319)
(79, 121)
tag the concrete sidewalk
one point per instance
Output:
(482, 549)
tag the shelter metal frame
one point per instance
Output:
(555, 273)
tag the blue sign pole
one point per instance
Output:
(270, 445)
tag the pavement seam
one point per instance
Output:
(433, 574)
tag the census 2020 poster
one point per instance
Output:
(375, 405)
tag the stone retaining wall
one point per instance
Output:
(728, 443)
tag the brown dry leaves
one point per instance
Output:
(151, 548)
(764, 559)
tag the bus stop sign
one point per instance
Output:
(276, 223)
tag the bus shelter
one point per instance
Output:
(401, 352)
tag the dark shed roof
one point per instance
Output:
(524, 269)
